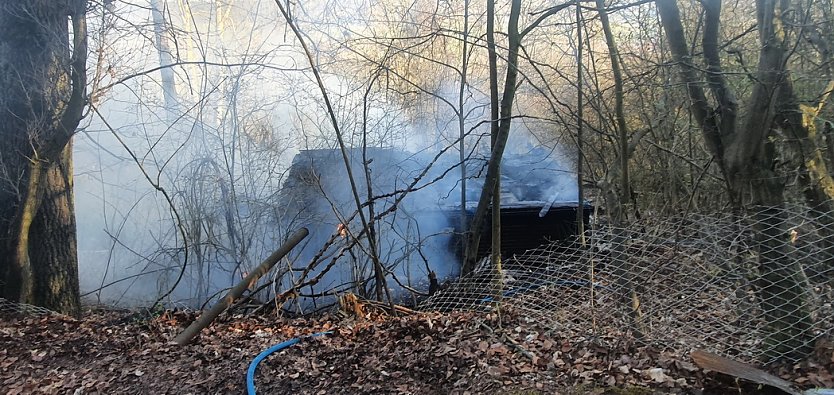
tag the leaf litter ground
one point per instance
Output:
(425, 353)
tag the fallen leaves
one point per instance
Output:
(421, 353)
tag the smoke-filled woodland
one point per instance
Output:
(514, 196)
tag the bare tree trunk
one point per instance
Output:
(580, 187)
(746, 156)
(19, 201)
(53, 246)
(379, 274)
(163, 47)
(617, 187)
(500, 142)
(495, 254)
(41, 106)
(462, 117)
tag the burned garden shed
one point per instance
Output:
(420, 231)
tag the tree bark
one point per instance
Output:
(44, 95)
(53, 248)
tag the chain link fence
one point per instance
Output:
(755, 286)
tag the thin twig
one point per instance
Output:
(167, 197)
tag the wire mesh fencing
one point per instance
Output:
(755, 286)
(7, 307)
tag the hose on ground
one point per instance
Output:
(253, 366)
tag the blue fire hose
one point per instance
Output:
(250, 373)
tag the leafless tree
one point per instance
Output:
(44, 85)
(745, 153)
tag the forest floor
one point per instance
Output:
(424, 353)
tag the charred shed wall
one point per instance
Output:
(421, 234)
(523, 228)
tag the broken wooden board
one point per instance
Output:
(710, 361)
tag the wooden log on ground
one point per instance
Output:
(207, 317)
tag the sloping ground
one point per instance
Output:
(108, 352)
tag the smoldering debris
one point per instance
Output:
(415, 203)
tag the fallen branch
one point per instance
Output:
(206, 318)
(385, 306)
